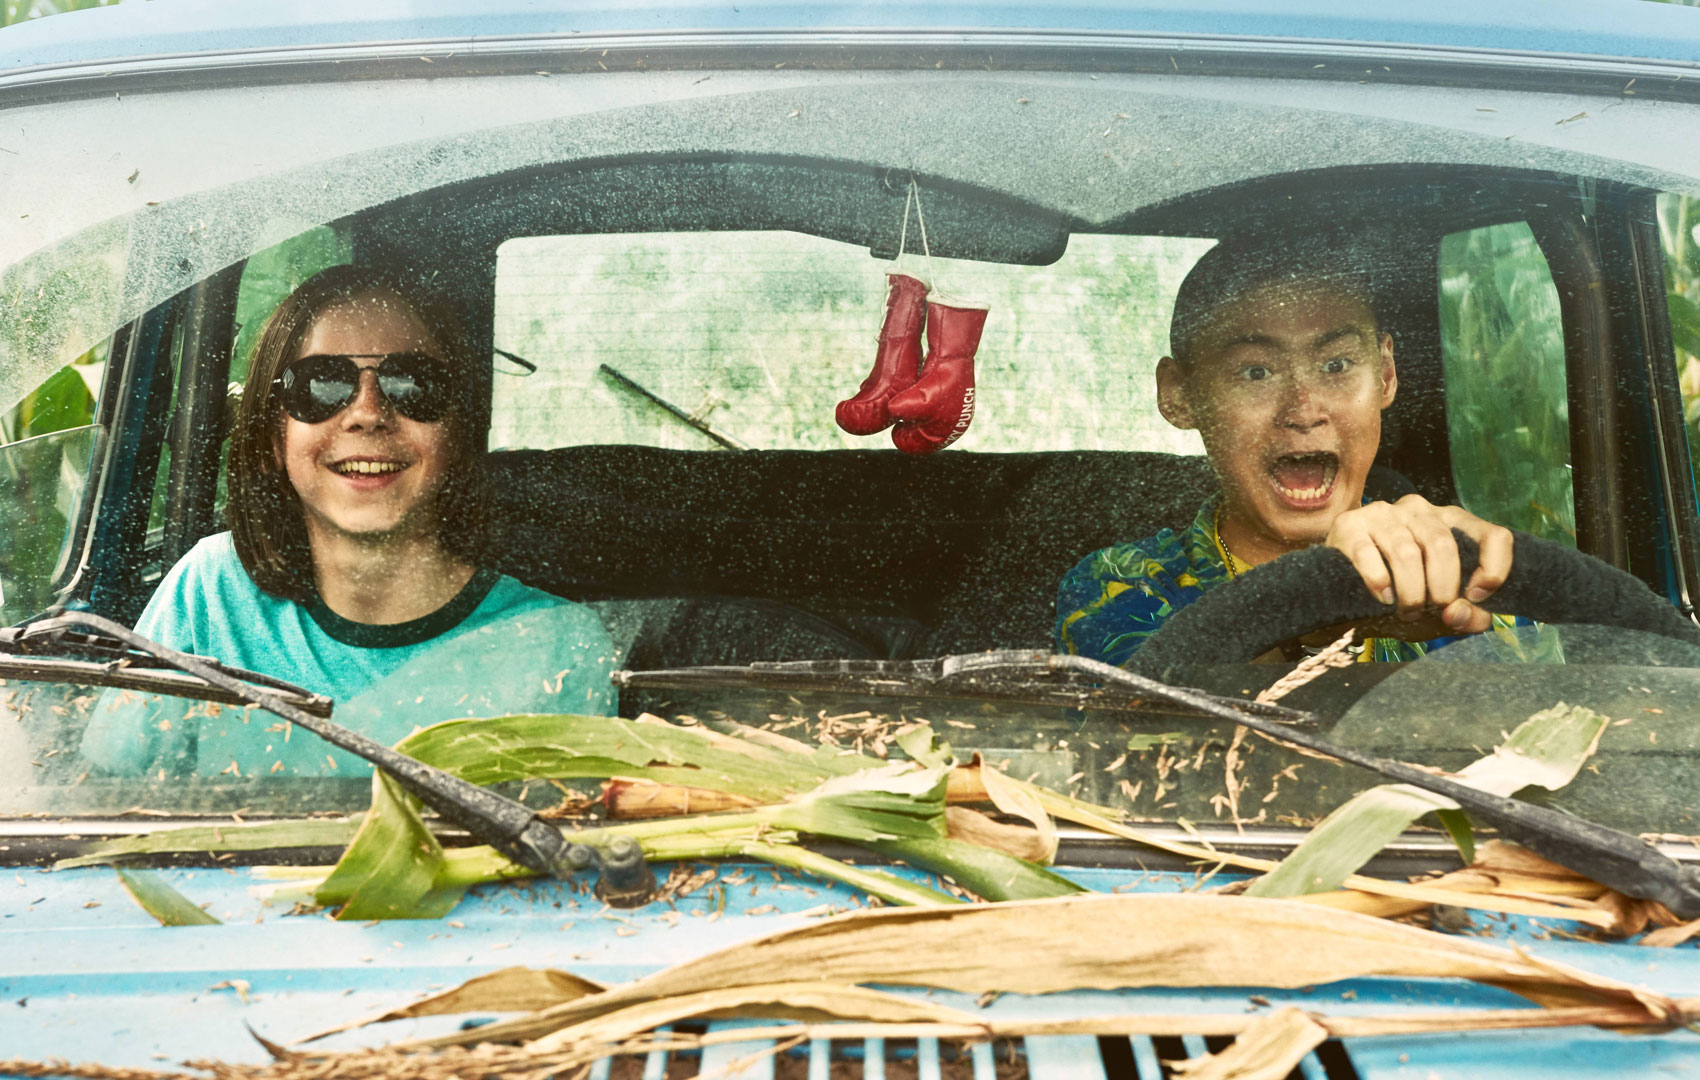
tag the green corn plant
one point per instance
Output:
(394, 867)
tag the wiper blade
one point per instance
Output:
(48, 650)
(1624, 862)
(1616, 859)
(505, 824)
(1018, 676)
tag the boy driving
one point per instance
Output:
(1279, 362)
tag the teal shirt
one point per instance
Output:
(498, 648)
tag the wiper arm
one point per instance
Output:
(47, 650)
(1020, 677)
(505, 824)
(1624, 862)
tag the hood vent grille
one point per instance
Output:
(1143, 1058)
(1047, 1058)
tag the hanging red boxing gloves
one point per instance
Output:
(936, 411)
(932, 403)
(898, 362)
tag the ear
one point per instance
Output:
(1389, 376)
(1172, 398)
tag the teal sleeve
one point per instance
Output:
(131, 732)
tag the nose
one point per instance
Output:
(369, 409)
(1301, 406)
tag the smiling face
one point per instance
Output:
(368, 472)
(1286, 385)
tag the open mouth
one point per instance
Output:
(366, 468)
(1305, 479)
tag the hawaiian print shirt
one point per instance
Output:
(1117, 597)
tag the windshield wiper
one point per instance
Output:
(1017, 676)
(505, 824)
(1624, 862)
(47, 650)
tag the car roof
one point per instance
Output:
(161, 28)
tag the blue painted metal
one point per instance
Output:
(1622, 28)
(751, 1060)
(1311, 1069)
(1065, 1055)
(99, 981)
(927, 1060)
(655, 1062)
(85, 974)
(655, 1065)
(820, 1059)
(1145, 1056)
(873, 1059)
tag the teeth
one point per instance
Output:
(368, 467)
(1306, 494)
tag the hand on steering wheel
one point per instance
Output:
(1407, 557)
(1322, 587)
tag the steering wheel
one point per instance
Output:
(1318, 587)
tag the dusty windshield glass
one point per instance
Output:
(79, 749)
(444, 418)
(97, 247)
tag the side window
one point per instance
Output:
(1679, 233)
(268, 277)
(45, 445)
(273, 274)
(1507, 411)
(760, 334)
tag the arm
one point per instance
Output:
(131, 732)
(1114, 599)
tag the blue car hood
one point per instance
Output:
(87, 975)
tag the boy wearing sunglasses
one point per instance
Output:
(352, 564)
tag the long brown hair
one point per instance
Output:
(267, 521)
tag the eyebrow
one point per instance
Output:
(1349, 330)
(1320, 342)
(1252, 339)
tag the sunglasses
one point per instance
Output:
(315, 388)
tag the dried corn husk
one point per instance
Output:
(1108, 942)
(1267, 1050)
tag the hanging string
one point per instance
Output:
(912, 198)
(915, 190)
(903, 236)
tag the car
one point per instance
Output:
(669, 226)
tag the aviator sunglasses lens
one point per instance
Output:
(414, 384)
(316, 388)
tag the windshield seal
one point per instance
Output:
(870, 50)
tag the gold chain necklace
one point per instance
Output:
(1232, 563)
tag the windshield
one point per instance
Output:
(85, 750)
(107, 244)
(452, 398)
